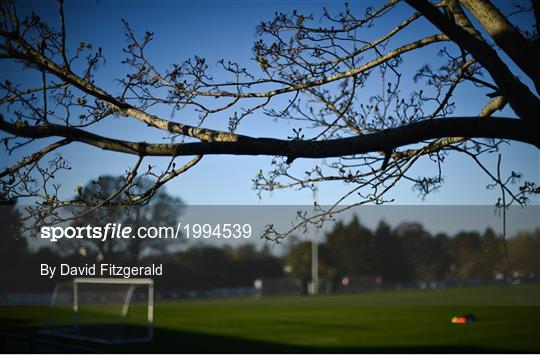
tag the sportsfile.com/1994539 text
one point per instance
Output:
(118, 231)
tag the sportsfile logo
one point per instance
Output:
(118, 231)
(109, 231)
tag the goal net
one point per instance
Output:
(109, 311)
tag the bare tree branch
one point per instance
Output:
(385, 140)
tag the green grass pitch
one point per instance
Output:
(389, 321)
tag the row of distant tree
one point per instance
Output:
(404, 253)
(409, 252)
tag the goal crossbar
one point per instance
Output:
(97, 280)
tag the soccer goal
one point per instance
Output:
(103, 310)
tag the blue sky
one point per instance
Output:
(226, 29)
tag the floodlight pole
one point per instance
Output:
(75, 297)
(76, 303)
(314, 264)
(151, 311)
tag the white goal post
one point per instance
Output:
(111, 298)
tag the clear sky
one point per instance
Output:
(226, 29)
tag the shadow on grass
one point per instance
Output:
(19, 338)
